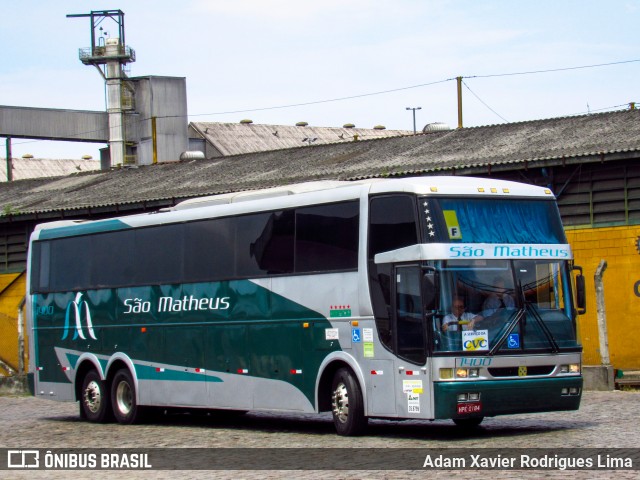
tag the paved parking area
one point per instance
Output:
(605, 420)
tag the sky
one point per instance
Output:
(333, 62)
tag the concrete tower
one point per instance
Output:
(110, 55)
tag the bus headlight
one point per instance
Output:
(467, 372)
(570, 368)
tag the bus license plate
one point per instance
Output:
(465, 408)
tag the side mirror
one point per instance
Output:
(581, 292)
(430, 288)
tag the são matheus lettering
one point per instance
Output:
(170, 304)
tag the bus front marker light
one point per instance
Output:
(463, 397)
(446, 373)
(474, 397)
(574, 391)
(564, 391)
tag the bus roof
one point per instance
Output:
(300, 194)
(444, 185)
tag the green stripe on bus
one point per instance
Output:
(83, 229)
(145, 372)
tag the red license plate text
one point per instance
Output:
(466, 408)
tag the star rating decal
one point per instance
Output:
(431, 229)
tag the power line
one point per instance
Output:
(531, 72)
(382, 92)
(315, 102)
(481, 101)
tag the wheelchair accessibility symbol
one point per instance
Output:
(355, 335)
(513, 341)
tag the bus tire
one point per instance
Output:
(347, 405)
(94, 399)
(468, 423)
(123, 398)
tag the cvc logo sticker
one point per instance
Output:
(80, 311)
(475, 340)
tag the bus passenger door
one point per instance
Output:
(412, 372)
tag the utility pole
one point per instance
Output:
(414, 116)
(9, 161)
(459, 79)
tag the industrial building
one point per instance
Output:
(590, 162)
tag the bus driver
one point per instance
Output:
(458, 317)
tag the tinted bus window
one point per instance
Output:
(159, 253)
(209, 250)
(327, 237)
(264, 244)
(112, 258)
(392, 224)
(70, 263)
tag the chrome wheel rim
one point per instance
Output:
(124, 398)
(340, 402)
(93, 396)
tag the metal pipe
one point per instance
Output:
(154, 140)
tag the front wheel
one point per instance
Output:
(94, 399)
(347, 404)
(123, 398)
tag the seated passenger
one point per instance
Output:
(498, 299)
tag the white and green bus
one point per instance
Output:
(316, 297)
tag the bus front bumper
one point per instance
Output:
(489, 398)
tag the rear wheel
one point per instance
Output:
(123, 398)
(94, 399)
(347, 404)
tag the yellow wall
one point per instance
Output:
(13, 288)
(616, 245)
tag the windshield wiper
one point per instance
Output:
(543, 326)
(517, 318)
(527, 307)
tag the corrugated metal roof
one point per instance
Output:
(239, 138)
(46, 167)
(598, 137)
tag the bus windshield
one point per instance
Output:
(504, 306)
(472, 220)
